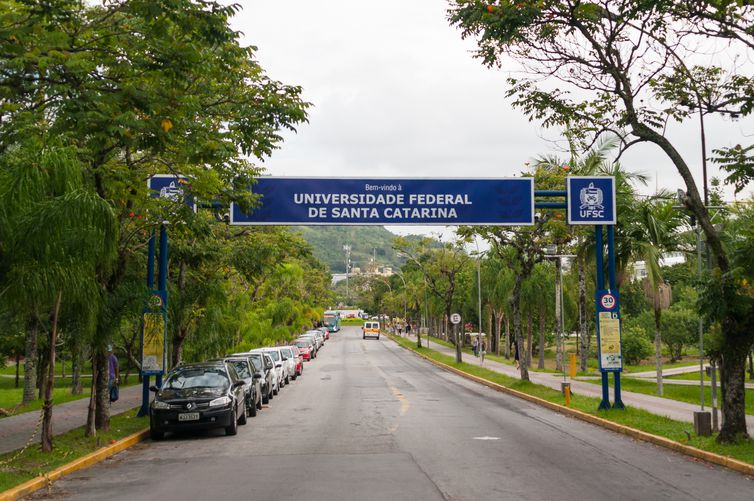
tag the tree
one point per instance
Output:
(614, 61)
(442, 268)
(653, 229)
(58, 237)
(140, 87)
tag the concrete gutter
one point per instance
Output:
(81, 463)
(711, 457)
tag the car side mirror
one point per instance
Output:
(278, 365)
(285, 358)
(154, 389)
(268, 367)
(257, 375)
(238, 384)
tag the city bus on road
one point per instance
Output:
(331, 320)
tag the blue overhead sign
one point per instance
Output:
(171, 187)
(377, 201)
(591, 199)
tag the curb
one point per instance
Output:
(90, 459)
(688, 450)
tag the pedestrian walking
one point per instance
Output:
(113, 379)
(475, 346)
(482, 351)
(408, 329)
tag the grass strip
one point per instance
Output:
(634, 418)
(67, 447)
(681, 393)
(10, 397)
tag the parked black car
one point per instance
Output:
(251, 378)
(198, 396)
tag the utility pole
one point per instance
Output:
(347, 249)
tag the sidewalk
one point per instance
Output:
(680, 411)
(16, 430)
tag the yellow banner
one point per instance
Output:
(610, 354)
(153, 351)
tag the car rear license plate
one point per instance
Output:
(188, 416)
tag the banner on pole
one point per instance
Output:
(377, 201)
(154, 336)
(609, 332)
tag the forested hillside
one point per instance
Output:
(365, 241)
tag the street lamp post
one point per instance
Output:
(347, 249)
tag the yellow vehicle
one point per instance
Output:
(371, 329)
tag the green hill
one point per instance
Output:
(366, 242)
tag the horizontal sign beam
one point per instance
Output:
(378, 201)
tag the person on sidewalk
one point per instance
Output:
(113, 374)
(482, 350)
(475, 346)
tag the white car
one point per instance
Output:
(278, 367)
(290, 362)
(280, 364)
(317, 336)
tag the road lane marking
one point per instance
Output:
(486, 438)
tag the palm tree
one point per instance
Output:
(58, 236)
(652, 229)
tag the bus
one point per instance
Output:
(331, 320)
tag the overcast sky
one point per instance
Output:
(397, 93)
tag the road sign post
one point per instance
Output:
(455, 319)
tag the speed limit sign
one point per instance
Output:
(607, 301)
(455, 319)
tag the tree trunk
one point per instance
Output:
(30, 362)
(507, 337)
(558, 319)
(751, 368)
(517, 334)
(732, 375)
(178, 341)
(584, 334)
(91, 430)
(541, 362)
(102, 412)
(50, 382)
(18, 369)
(76, 386)
(42, 364)
(529, 335)
(658, 346)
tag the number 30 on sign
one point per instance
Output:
(607, 301)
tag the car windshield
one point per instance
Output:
(242, 368)
(274, 354)
(197, 377)
(287, 352)
(302, 344)
(256, 360)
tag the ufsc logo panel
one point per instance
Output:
(591, 200)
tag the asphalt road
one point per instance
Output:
(371, 421)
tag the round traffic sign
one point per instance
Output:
(608, 301)
(455, 319)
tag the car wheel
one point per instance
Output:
(253, 410)
(378, 338)
(287, 380)
(266, 398)
(156, 435)
(233, 428)
(363, 336)
(242, 420)
(275, 391)
(259, 404)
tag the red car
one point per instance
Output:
(299, 359)
(305, 348)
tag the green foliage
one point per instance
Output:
(635, 345)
